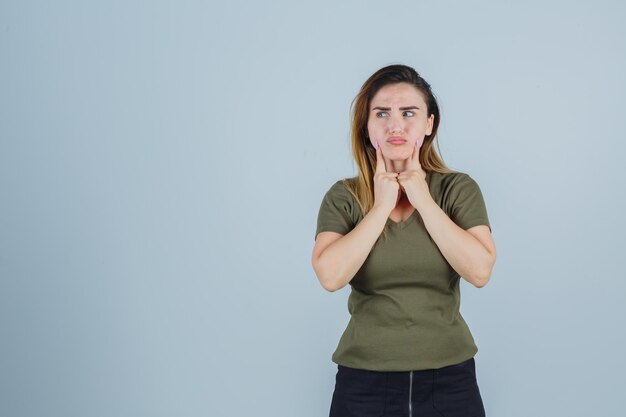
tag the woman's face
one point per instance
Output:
(397, 119)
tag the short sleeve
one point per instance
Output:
(466, 204)
(336, 213)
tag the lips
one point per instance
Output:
(396, 140)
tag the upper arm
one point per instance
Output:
(322, 241)
(483, 235)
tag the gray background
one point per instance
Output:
(162, 166)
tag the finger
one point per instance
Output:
(380, 162)
(414, 159)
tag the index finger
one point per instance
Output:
(414, 159)
(380, 162)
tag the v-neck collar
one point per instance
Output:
(414, 213)
(403, 223)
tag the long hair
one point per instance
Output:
(362, 150)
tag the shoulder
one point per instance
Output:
(342, 187)
(339, 203)
(453, 179)
(342, 193)
(453, 188)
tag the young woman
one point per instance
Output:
(402, 234)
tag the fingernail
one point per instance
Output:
(377, 145)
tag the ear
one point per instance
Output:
(429, 124)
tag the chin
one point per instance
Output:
(399, 155)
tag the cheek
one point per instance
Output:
(373, 128)
(419, 129)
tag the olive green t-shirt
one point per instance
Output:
(405, 299)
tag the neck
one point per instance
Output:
(402, 199)
(397, 166)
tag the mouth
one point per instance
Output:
(396, 140)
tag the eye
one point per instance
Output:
(381, 114)
(409, 113)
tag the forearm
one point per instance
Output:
(465, 254)
(340, 261)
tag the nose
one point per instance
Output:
(395, 124)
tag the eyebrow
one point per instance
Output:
(401, 108)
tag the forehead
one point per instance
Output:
(400, 94)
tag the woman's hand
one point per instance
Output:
(386, 187)
(413, 181)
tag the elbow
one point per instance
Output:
(482, 277)
(480, 282)
(331, 282)
(328, 281)
(329, 286)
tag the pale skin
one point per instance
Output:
(399, 111)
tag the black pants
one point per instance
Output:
(451, 391)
